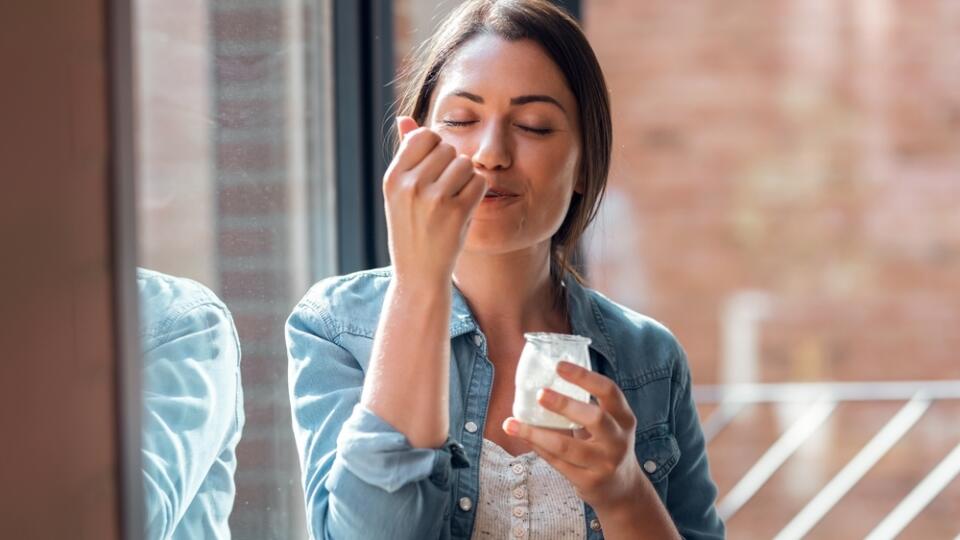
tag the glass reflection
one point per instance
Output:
(192, 408)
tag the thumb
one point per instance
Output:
(405, 124)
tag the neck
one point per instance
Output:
(511, 293)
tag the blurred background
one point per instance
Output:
(785, 196)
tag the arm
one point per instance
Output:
(419, 406)
(361, 476)
(190, 411)
(429, 195)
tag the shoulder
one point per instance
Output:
(347, 303)
(175, 305)
(645, 349)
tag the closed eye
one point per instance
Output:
(464, 123)
(457, 123)
(538, 131)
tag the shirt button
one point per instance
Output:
(518, 511)
(466, 504)
(518, 532)
(650, 466)
(519, 492)
(595, 524)
(517, 468)
(477, 340)
(470, 427)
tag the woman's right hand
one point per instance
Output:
(430, 194)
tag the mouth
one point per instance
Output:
(495, 193)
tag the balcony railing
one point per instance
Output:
(822, 400)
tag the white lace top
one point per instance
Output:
(523, 497)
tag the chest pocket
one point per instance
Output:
(657, 453)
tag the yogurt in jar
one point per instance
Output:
(538, 369)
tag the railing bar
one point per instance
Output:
(836, 391)
(852, 472)
(919, 498)
(774, 457)
(725, 413)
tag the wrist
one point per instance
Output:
(420, 282)
(631, 502)
(638, 514)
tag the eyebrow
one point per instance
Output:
(519, 100)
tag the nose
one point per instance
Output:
(493, 151)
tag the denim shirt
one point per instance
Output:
(192, 408)
(362, 478)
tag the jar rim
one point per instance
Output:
(556, 337)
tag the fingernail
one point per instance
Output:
(565, 368)
(545, 397)
(510, 426)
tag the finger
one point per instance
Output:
(569, 470)
(564, 446)
(472, 192)
(455, 176)
(596, 420)
(405, 124)
(608, 394)
(429, 170)
(416, 145)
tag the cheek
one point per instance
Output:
(460, 143)
(553, 188)
(555, 169)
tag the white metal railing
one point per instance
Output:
(823, 398)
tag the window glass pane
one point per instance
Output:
(235, 191)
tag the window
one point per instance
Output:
(236, 191)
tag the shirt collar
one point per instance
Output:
(585, 317)
(586, 320)
(461, 318)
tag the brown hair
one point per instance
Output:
(561, 37)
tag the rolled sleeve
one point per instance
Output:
(378, 454)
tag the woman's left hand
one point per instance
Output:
(598, 460)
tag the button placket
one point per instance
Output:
(520, 501)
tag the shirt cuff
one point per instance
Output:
(378, 454)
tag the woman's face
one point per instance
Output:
(507, 106)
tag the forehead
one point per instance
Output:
(490, 65)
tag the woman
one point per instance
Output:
(402, 379)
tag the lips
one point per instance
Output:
(498, 192)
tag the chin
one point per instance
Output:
(490, 239)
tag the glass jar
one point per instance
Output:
(538, 369)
